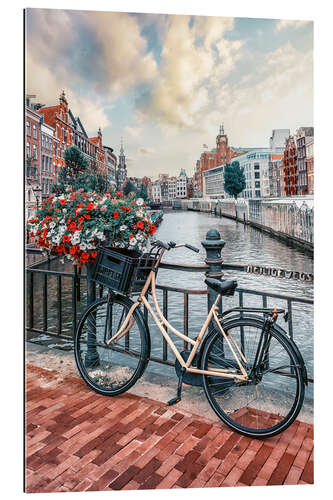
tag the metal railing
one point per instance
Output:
(79, 290)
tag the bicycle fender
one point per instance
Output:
(143, 323)
(277, 327)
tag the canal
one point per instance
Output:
(243, 245)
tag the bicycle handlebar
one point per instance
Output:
(172, 244)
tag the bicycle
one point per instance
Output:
(252, 372)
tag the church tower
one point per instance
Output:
(122, 169)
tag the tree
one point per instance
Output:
(234, 179)
(76, 162)
(129, 188)
(143, 192)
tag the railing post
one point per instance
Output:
(92, 357)
(213, 246)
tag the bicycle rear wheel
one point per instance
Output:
(259, 408)
(110, 369)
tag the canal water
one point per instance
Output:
(243, 245)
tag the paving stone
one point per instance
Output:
(81, 441)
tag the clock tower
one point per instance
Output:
(222, 149)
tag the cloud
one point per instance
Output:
(289, 23)
(280, 97)
(100, 51)
(195, 57)
(146, 151)
(133, 131)
(40, 80)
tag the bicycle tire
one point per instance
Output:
(275, 401)
(110, 369)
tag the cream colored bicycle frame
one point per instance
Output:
(162, 322)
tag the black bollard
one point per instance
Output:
(213, 246)
(92, 357)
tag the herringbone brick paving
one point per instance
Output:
(77, 440)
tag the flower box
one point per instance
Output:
(74, 224)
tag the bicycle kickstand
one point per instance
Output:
(178, 398)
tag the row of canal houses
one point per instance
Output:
(49, 131)
(285, 168)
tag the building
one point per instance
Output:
(111, 166)
(156, 191)
(47, 146)
(32, 145)
(290, 178)
(304, 135)
(309, 165)
(58, 118)
(213, 183)
(222, 154)
(147, 181)
(172, 188)
(181, 184)
(278, 139)
(274, 174)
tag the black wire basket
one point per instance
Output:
(123, 270)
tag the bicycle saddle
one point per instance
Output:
(224, 287)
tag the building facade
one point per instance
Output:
(47, 146)
(111, 166)
(304, 135)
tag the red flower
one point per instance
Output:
(66, 238)
(63, 202)
(140, 225)
(152, 228)
(90, 206)
(94, 254)
(86, 216)
(81, 219)
(72, 250)
(118, 193)
(115, 214)
(84, 257)
(131, 236)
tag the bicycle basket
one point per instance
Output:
(115, 268)
(146, 263)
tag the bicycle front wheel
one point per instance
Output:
(110, 369)
(268, 403)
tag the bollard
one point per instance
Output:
(92, 357)
(213, 246)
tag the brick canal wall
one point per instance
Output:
(286, 218)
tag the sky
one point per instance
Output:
(164, 83)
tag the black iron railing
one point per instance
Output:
(82, 294)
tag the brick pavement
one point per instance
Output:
(77, 440)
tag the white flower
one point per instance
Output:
(139, 202)
(132, 242)
(140, 212)
(52, 225)
(83, 246)
(123, 227)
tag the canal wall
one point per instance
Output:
(288, 219)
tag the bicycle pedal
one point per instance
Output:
(173, 401)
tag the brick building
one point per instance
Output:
(222, 154)
(304, 135)
(290, 178)
(309, 165)
(32, 145)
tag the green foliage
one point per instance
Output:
(76, 162)
(129, 188)
(77, 176)
(143, 192)
(234, 179)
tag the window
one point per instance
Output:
(28, 128)
(257, 193)
(55, 149)
(28, 150)
(257, 184)
(34, 128)
(256, 166)
(257, 175)
(34, 147)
